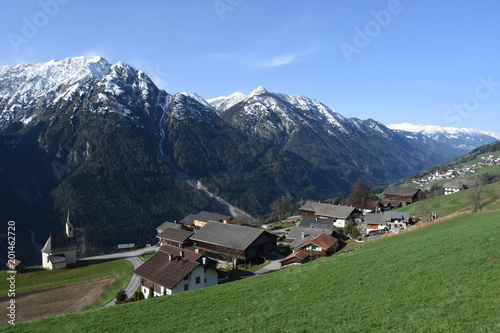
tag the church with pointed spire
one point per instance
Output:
(60, 249)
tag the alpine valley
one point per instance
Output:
(105, 144)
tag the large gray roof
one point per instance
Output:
(323, 209)
(176, 235)
(162, 227)
(396, 190)
(228, 235)
(404, 216)
(309, 233)
(58, 243)
(167, 267)
(374, 218)
(208, 216)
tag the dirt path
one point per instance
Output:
(426, 224)
(55, 301)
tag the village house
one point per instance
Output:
(172, 270)
(386, 205)
(397, 220)
(176, 237)
(301, 234)
(233, 244)
(196, 221)
(60, 250)
(386, 221)
(406, 195)
(457, 185)
(320, 246)
(296, 258)
(172, 225)
(339, 215)
(374, 223)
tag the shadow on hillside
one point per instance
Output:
(84, 263)
(233, 275)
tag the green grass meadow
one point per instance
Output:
(442, 278)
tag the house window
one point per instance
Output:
(198, 280)
(186, 287)
(186, 277)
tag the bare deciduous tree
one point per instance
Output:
(476, 192)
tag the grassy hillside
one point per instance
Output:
(443, 278)
(37, 278)
(459, 201)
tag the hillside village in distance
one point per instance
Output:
(454, 172)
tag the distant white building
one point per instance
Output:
(458, 185)
(59, 250)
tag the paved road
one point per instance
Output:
(133, 257)
(274, 265)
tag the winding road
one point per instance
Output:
(133, 257)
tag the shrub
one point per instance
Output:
(121, 295)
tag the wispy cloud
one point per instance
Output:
(257, 60)
(279, 60)
(289, 58)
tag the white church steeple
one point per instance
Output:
(69, 227)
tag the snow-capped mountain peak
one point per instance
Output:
(222, 103)
(466, 138)
(259, 91)
(26, 85)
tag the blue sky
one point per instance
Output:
(417, 61)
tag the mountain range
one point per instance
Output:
(462, 138)
(105, 144)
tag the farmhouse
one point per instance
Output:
(172, 270)
(457, 185)
(229, 243)
(375, 223)
(162, 227)
(320, 246)
(60, 249)
(176, 237)
(397, 220)
(296, 258)
(340, 215)
(406, 195)
(197, 221)
(301, 234)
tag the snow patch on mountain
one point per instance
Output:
(433, 130)
(26, 88)
(290, 108)
(223, 103)
(188, 106)
(200, 100)
(259, 91)
(464, 138)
